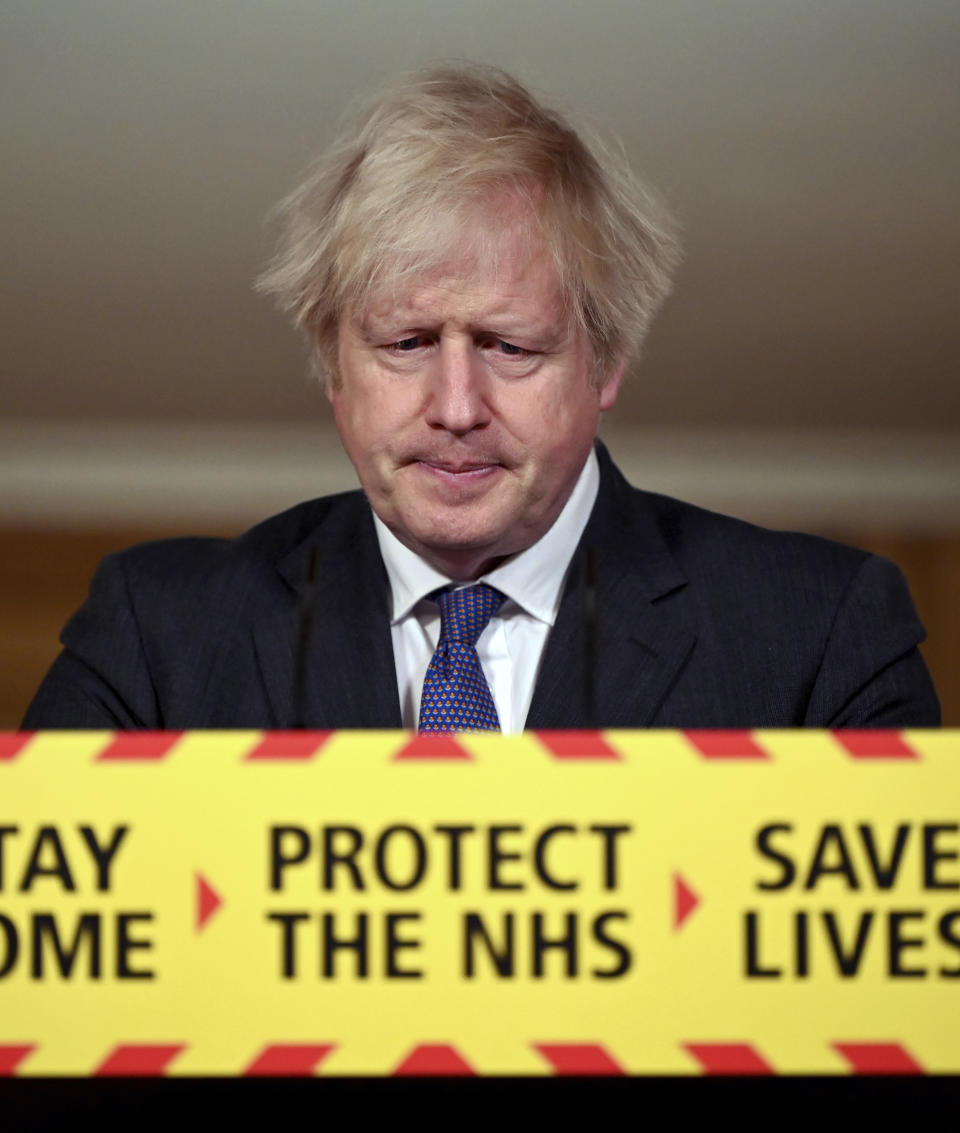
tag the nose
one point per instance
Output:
(457, 396)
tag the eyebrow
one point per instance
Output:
(400, 321)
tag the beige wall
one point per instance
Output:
(808, 149)
(803, 374)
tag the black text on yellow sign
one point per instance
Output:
(657, 906)
(911, 941)
(80, 862)
(401, 858)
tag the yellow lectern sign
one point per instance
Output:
(358, 903)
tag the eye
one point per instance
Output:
(408, 344)
(506, 349)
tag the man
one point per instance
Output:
(473, 278)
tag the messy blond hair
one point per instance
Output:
(392, 198)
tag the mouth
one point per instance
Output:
(458, 471)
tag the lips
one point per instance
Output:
(458, 468)
(457, 476)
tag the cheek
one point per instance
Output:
(565, 429)
(373, 419)
(559, 414)
(352, 425)
(355, 405)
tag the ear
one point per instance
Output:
(611, 386)
(328, 374)
(325, 362)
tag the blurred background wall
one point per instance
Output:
(804, 374)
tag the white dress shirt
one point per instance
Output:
(511, 647)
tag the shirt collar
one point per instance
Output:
(532, 578)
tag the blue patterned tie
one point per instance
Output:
(456, 696)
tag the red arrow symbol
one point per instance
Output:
(685, 900)
(208, 901)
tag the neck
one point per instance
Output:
(460, 566)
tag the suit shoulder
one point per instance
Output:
(185, 584)
(771, 577)
(706, 543)
(261, 548)
(698, 536)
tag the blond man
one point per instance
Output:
(473, 275)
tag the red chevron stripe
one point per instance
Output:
(138, 1060)
(147, 746)
(11, 1055)
(13, 743)
(433, 746)
(879, 1058)
(289, 745)
(729, 744)
(434, 1060)
(583, 1059)
(728, 1058)
(288, 1060)
(577, 744)
(875, 744)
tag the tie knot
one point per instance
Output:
(464, 613)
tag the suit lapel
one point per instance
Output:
(641, 635)
(349, 679)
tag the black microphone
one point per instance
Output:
(588, 630)
(304, 625)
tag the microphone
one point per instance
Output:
(588, 631)
(304, 626)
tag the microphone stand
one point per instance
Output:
(304, 627)
(588, 630)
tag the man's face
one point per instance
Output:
(466, 406)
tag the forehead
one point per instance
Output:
(493, 272)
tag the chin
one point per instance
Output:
(462, 546)
(463, 543)
(454, 531)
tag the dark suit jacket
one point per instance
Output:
(701, 621)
